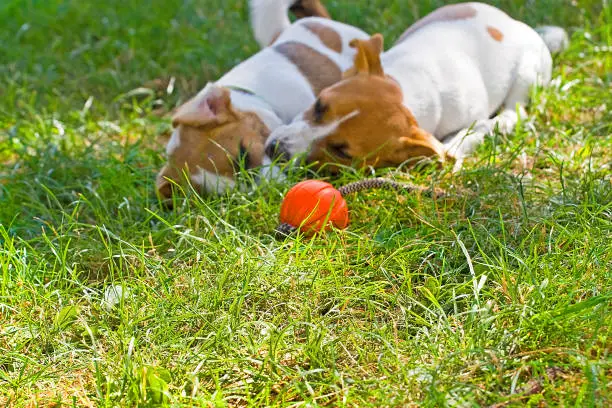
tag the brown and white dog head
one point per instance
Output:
(210, 142)
(360, 121)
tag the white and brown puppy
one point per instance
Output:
(450, 79)
(226, 125)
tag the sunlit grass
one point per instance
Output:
(497, 296)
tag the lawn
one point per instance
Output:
(498, 295)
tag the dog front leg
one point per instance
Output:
(466, 141)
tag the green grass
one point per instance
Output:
(498, 297)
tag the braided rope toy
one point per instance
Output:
(313, 205)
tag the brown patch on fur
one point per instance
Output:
(320, 71)
(451, 12)
(309, 8)
(495, 33)
(328, 36)
(213, 143)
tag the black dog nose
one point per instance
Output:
(277, 152)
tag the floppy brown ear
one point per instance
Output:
(208, 106)
(420, 143)
(367, 59)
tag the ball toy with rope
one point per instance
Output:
(314, 205)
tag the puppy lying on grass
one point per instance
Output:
(451, 79)
(224, 127)
(432, 94)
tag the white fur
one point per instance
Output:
(303, 35)
(454, 76)
(253, 103)
(297, 137)
(281, 89)
(556, 38)
(173, 143)
(268, 19)
(270, 171)
(277, 81)
(454, 73)
(211, 182)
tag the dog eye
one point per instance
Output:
(319, 110)
(340, 151)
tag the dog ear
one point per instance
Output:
(367, 58)
(210, 105)
(420, 143)
(352, 71)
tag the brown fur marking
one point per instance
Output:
(328, 36)
(320, 71)
(495, 33)
(447, 13)
(213, 145)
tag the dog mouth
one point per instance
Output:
(277, 151)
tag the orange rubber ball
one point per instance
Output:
(314, 205)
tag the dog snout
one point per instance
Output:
(277, 151)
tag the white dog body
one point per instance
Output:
(457, 67)
(457, 74)
(271, 77)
